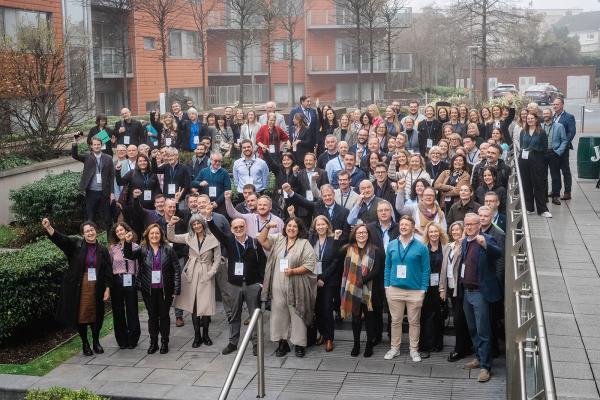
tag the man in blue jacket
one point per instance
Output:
(557, 145)
(481, 288)
(568, 121)
(406, 279)
(310, 117)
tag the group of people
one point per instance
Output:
(369, 214)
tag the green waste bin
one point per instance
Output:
(588, 164)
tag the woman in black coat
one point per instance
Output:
(101, 124)
(86, 282)
(329, 275)
(285, 172)
(300, 138)
(159, 280)
(141, 178)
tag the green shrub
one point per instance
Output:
(30, 279)
(60, 393)
(13, 161)
(8, 235)
(55, 196)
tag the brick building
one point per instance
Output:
(325, 63)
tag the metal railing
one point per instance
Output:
(529, 368)
(255, 322)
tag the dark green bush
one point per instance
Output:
(60, 393)
(13, 161)
(8, 235)
(55, 196)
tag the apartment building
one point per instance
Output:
(325, 57)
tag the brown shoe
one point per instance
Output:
(329, 345)
(246, 322)
(179, 322)
(474, 363)
(566, 196)
(484, 375)
(556, 201)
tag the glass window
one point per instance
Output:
(149, 43)
(184, 44)
(281, 50)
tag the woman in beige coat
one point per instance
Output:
(449, 182)
(198, 275)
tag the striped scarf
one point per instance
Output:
(354, 293)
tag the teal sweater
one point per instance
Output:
(416, 259)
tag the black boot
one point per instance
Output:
(85, 344)
(164, 345)
(355, 349)
(197, 335)
(96, 340)
(205, 339)
(369, 349)
(282, 349)
(153, 345)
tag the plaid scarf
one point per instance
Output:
(357, 264)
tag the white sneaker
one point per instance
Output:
(391, 354)
(416, 357)
(546, 214)
(530, 212)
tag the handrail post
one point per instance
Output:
(260, 359)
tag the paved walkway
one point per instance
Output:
(188, 373)
(567, 255)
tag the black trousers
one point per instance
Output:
(158, 314)
(324, 311)
(432, 324)
(565, 168)
(553, 163)
(97, 208)
(534, 177)
(369, 318)
(124, 301)
(463, 344)
(497, 325)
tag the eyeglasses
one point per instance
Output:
(471, 224)
(218, 161)
(361, 233)
(380, 172)
(237, 227)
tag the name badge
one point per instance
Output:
(525, 154)
(171, 188)
(447, 199)
(248, 180)
(91, 274)
(401, 271)
(212, 191)
(309, 195)
(155, 276)
(239, 269)
(283, 265)
(285, 195)
(126, 139)
(168, 141)
(103, 146)
(434, 279)
(196, 140)
(462, 271)
(429, 143)
(147, 195)
(98, 178)
(127, 280)
(319, 267)
(450, 272)
(271, 148)
(239, 140)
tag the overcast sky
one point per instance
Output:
(586, 5)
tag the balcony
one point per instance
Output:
(224, 66)
(223, 20)
(347, 64)
(343, 19)
(107, 63)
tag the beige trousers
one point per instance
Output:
(412, 300)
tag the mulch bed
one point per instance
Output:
(27, 345)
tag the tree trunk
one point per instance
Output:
(389, 54)
(242, 62)
(163, 48)
(358, 76)
(371, 62)
(291, 39)
(484, 61)
(269, 64)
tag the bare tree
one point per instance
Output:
(490, 21)
(291, 11)
(390, 14)
(243, 19)
(42, 101)
(201, 12)
(371, 14)
(162, 15)
(268, 14)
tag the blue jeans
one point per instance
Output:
(477, 313)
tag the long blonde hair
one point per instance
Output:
(443, 235)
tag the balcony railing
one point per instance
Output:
(108, 63)
(342, 18)
(348, 64)
(224, 66)
(220, 95)
(221, 19)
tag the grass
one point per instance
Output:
(8, 235)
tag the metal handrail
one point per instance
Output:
(529, 368)
(255, 322)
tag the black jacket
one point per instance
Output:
(330, 262)
(253, 257)
(107, 170)
(385, 192)
(180, 176)
(434, 172)
(133, 129)
(458, 211)
(429, 130)
(194, 166)
(377, 235)
(108, 145)
(499, 236)
(340, 214)
(183, 140)
(171, 271)
(504, 124)
(75, 250)
(304, 186)
(135, 179)
(502, 173)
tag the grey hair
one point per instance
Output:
(192, 110)
(198, 218)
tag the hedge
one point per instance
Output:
(55, 196)
(60, 393)
(30, 279)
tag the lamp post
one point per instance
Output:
(472, 53)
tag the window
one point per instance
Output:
(252, 61)
(184, 44)
(189, 93)
(152, 105)
(281, 50)
(591, 36)
(149, 43)
(291, 7)
(12, 21)
(282, 93)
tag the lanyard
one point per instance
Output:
(321, 250)
(265, 224)
(249, 164)
(145, 177)
(429, 126)
(434, 170)
(347, 198)
(124, 259)
(173, 171)
(340, 162)
(471, 159)
(405, 251)
(237, 248)
(98, 165)
(286, 247)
